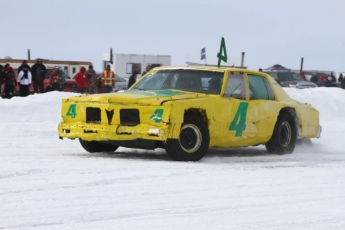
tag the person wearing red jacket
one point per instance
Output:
(323, 79)
(81, 80)
(303, 75)
(108, 80)
(10, 83)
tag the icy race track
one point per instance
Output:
(48, 183)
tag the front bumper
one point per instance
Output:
(101, 132)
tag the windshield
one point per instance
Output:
(199, 81)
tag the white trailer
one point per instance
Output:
(123, 64)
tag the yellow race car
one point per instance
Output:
(187, 110)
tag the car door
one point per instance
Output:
(263, 109)
(229, 123)
(246, 118)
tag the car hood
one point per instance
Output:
(155, 97)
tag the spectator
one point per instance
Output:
(303, 75)
(343, 83)
(55, 80)
(315, 79)
(10, 83)
(63, 77)
(323, 79)
(329, 81)
(81, 80)
(1, 78)
(108, 80)
(334, 79)
(148, 68)
(24, 80)
(260, 70)
(340, 78)
(92, 81)
(24, 63)
(38, 72)
(133, 78)
(4, 71)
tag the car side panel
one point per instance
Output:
(309, 120)
(226, 122)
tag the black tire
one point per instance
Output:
(193, 142)
(97, 146)
(284, 135)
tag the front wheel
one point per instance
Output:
(98, 146)
(193, 141)
(284, 135)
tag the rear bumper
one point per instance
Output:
(319, 132)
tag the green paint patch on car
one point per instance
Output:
(158, 93)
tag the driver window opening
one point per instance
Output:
(235, 86)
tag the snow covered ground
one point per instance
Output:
(48, 183)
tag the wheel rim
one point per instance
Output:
(190, 138)
(285, 134)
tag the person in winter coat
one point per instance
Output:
(1, 78)
(55, 80)
(81, 80)
(108, 80)
(148, 68)
(63, 77)
(334, 79)
(38, 72)
(10, 83)
(315, 79)
(329, 81)
(343, 83)
(92, 81)
(303, 75)
(24, 80)
(340, 78)
(24, 63)
(323, 79)
(133, 78)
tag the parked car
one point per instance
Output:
(121, 84)
(291, 79)
(187, 110)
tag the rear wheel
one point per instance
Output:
(284, 136)
(193, 142)
(98, 146)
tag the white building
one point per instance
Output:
(123, 63)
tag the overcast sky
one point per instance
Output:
(269, 32)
